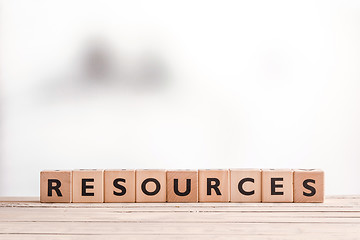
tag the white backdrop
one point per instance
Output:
(248, 84)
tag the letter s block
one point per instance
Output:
(182, 186)
(213, 185)
(119, 185)
(308, 185)
(88, 186)
(150, 185)
(55, 186)
(277, 185)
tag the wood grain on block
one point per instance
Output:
(277, 185)
(119, 185)
(88, 186)
(150, 185)
(182, 186)
(56, 186)
(213, 185)
(245, 185)
(308, 185)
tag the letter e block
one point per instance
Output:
(213, 185)
(308, 185)
(119, 185)
(182, 186)
(55, 186)
(150, 185)
(277, 185)
(88, 186)
(245, 185)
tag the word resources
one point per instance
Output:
(210, 185)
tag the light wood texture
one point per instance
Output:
(213, 185)
(277, 185)
(245, 185)
(26, 218)
(182, 186)
(313, 179)
(150, 185)
(119, 185)
(88, 186)
(60, 184)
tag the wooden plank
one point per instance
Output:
(126, 228)
(25, 218)
(64, 215)
(172, 236)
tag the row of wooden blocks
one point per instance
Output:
(233, 185)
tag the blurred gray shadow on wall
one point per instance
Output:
(99, 66)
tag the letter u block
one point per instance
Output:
(277, 185)
(150, 185)
(56, 186)
(119, 185)
(182, 186)
(245, 185)
(213, 185)
(308, 185)
(88, 186)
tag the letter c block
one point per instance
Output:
(245, 185)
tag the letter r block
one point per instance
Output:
(182, 186)
(277, 185)
(119, 185)
(56, 186)
(150, 185)
(245, 185)
(213, 185)
(88, 186)
(308, 185)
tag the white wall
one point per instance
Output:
(249, 84)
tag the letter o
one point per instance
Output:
(157, 189)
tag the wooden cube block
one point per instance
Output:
(150, 185)
(245, 185)
(277, 185)
(213, 185)
(56, 186)
(182, 186)
(119, 185)
(88, 186)
(308, 185)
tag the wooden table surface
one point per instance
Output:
(26, 218)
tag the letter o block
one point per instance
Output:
(150, 185)
(88, 186)
(245, 185)
(308, 185)
(55, 186)
(119, 185)
(277, 185)
(182, 186)
(213, 185)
